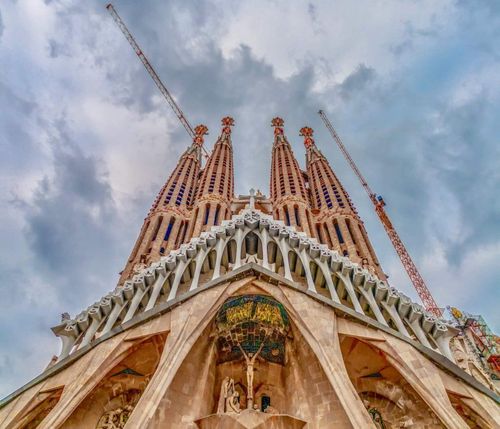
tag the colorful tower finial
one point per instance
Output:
(278, 124)
(200, 131)
(307, 133)
(227, 123)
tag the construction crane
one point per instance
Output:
(156, 79)
(379, 204)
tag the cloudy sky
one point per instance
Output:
(86, 140)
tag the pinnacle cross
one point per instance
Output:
(307, 133)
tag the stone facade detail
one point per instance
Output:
(245, 315)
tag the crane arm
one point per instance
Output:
(347, 156)
(410, 267)
(378, 202)
(156, 79)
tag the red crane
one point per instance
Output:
(378, 203)
(156, 79)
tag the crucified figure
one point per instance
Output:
(250, 361)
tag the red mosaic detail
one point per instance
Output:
(227, 123)
(200, 131)
(307, 133)
(278, 124)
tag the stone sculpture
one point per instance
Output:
(115, 419)
(250, 362)
(229, 399)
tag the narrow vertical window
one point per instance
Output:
(327, 233)
(216, 217)
(169, 229)
(157, 228)
(348, 224)
(318, 232)
(179, 232)
(339, 233)
(297, 217)
(309, 222)
(184, 232)
(207, 213)
(287, 216)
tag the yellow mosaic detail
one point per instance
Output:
(269, 314)
(239, 314)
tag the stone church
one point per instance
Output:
(255, 312)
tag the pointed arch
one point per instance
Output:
(120, 386)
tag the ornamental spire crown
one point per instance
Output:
(227, 123)
(307, 133)
(200, 131)
(278, 124)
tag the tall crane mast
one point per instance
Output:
(378, 203)
(156, 79)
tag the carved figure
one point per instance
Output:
(115, 419)
(250, 362)
(233, 402)
(229, 399)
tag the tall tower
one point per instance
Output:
(288, 186)
(249, 324)
(167, 222)
(216, 185)
(337, 223)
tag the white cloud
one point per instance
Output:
(341, 34)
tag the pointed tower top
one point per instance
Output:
(307, 133)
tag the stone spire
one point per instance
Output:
(167, 222)
(337, 223)
(216, 184)
(288, 189)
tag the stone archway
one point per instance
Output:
(111, 402)
(288, 376)
(38, 409)
(471, 417)
(388, 397)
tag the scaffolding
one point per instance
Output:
(481, 339)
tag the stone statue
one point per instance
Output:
(233, 402)
(250, 362)
(229, 399)
(115, 419)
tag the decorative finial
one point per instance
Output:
(227, 123)
(200, 131)
(278, 124)
(252, 198)
(307, 133)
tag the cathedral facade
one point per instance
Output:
(255, 312)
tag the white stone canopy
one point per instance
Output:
(253, 237)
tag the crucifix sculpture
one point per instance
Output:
(250, 359)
